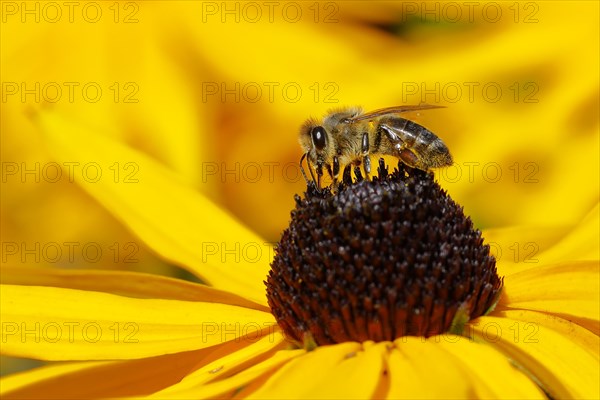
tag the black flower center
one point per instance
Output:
(377, 260)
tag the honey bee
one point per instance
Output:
(348, 137)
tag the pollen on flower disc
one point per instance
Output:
(377, 260)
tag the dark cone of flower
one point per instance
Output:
(377, 260)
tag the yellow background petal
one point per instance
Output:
(124, 60)
(175, 221)
(528, 247)
(518, 248)
(580, 244)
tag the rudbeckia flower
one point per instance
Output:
(137, 335)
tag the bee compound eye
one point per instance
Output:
(319, 137)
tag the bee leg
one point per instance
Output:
(382, 170)
(365, 154)
(319, 175)
(409, 158)
(347, 175)
(397, 143)
(390, 135)
(405, 155)
(357, 173)
(336, 172)
(302, 169)
(367, 167)
(312, 174)
(329, 170)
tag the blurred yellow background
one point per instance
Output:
(216, 91)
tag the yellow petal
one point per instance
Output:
(570, 289)
(233, 385)
(226, 361)
(562, 367)
(516, 248)
(159, 115)
(526, 329)
(107, 379)
(131, 284)
(580, 244)
(66, 324)
(419, 369)
(302, 376)
(177, 222)
(167, 121)
(40, 382)
(520, 248)
(489, 373)
(356, 377)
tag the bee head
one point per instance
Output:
(314, 140)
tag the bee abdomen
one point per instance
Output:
(434, 152)
(439, 155)
(418, 137)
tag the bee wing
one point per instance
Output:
(392, 110)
